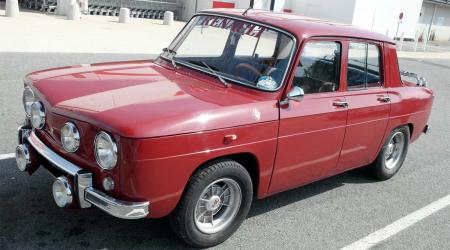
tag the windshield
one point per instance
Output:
(234, 50)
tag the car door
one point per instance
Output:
(312, 130)
(368, 104)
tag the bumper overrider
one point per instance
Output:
(80, 188)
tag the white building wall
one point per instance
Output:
(242, 4)
(376, 15)
(440, 30)
(382, 16)
(335, 10)
(188, 7)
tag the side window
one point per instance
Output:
(318, 70)
(363, 69)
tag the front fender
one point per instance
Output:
(158, 169)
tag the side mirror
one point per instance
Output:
(296, 94)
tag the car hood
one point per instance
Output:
(142, 99)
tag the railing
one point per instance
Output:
(420, 81)
(151, 9)
(439, 1)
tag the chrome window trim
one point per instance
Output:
(189, 65)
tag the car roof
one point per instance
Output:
(301, 26)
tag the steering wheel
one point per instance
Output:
(246, 71)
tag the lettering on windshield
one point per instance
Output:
(236, 27)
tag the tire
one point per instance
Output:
(386, 165)
(225, 179)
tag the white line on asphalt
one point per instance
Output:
(399, 225)
(7, 156)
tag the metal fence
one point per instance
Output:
(151, 9)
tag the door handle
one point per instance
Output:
(343, 104)
(384, 98)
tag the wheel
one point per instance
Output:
(214, 205)
(392, 155)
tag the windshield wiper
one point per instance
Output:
(172, 54)
(225, 83)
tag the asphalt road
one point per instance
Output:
(329, 214)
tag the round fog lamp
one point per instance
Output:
(70, 138)
(62, 192)
(23, 158)
(108, 184)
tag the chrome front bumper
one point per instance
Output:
(86, 194)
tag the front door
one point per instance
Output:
(312, 130)
(368, 104)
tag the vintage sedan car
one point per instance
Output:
(242, 104)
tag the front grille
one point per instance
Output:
(84, 157)
(51, 135)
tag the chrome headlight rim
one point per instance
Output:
(39, 108)
(70, 126)
(113, 144)
(27, 103)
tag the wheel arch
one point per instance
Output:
(248, 160)
(411, 129)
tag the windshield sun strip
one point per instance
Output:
(178, 39)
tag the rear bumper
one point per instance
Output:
(85, 193)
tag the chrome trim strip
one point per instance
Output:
(61, 163)
(117, 208)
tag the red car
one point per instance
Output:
(242, 104)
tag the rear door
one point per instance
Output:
(368, 103)
(312, 130)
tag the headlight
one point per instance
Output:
(70, 138)
(28, 99)
(37, 114)
(105, 151)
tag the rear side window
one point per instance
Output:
(363, 69)
(318, 70)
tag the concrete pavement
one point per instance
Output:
(48, 33)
